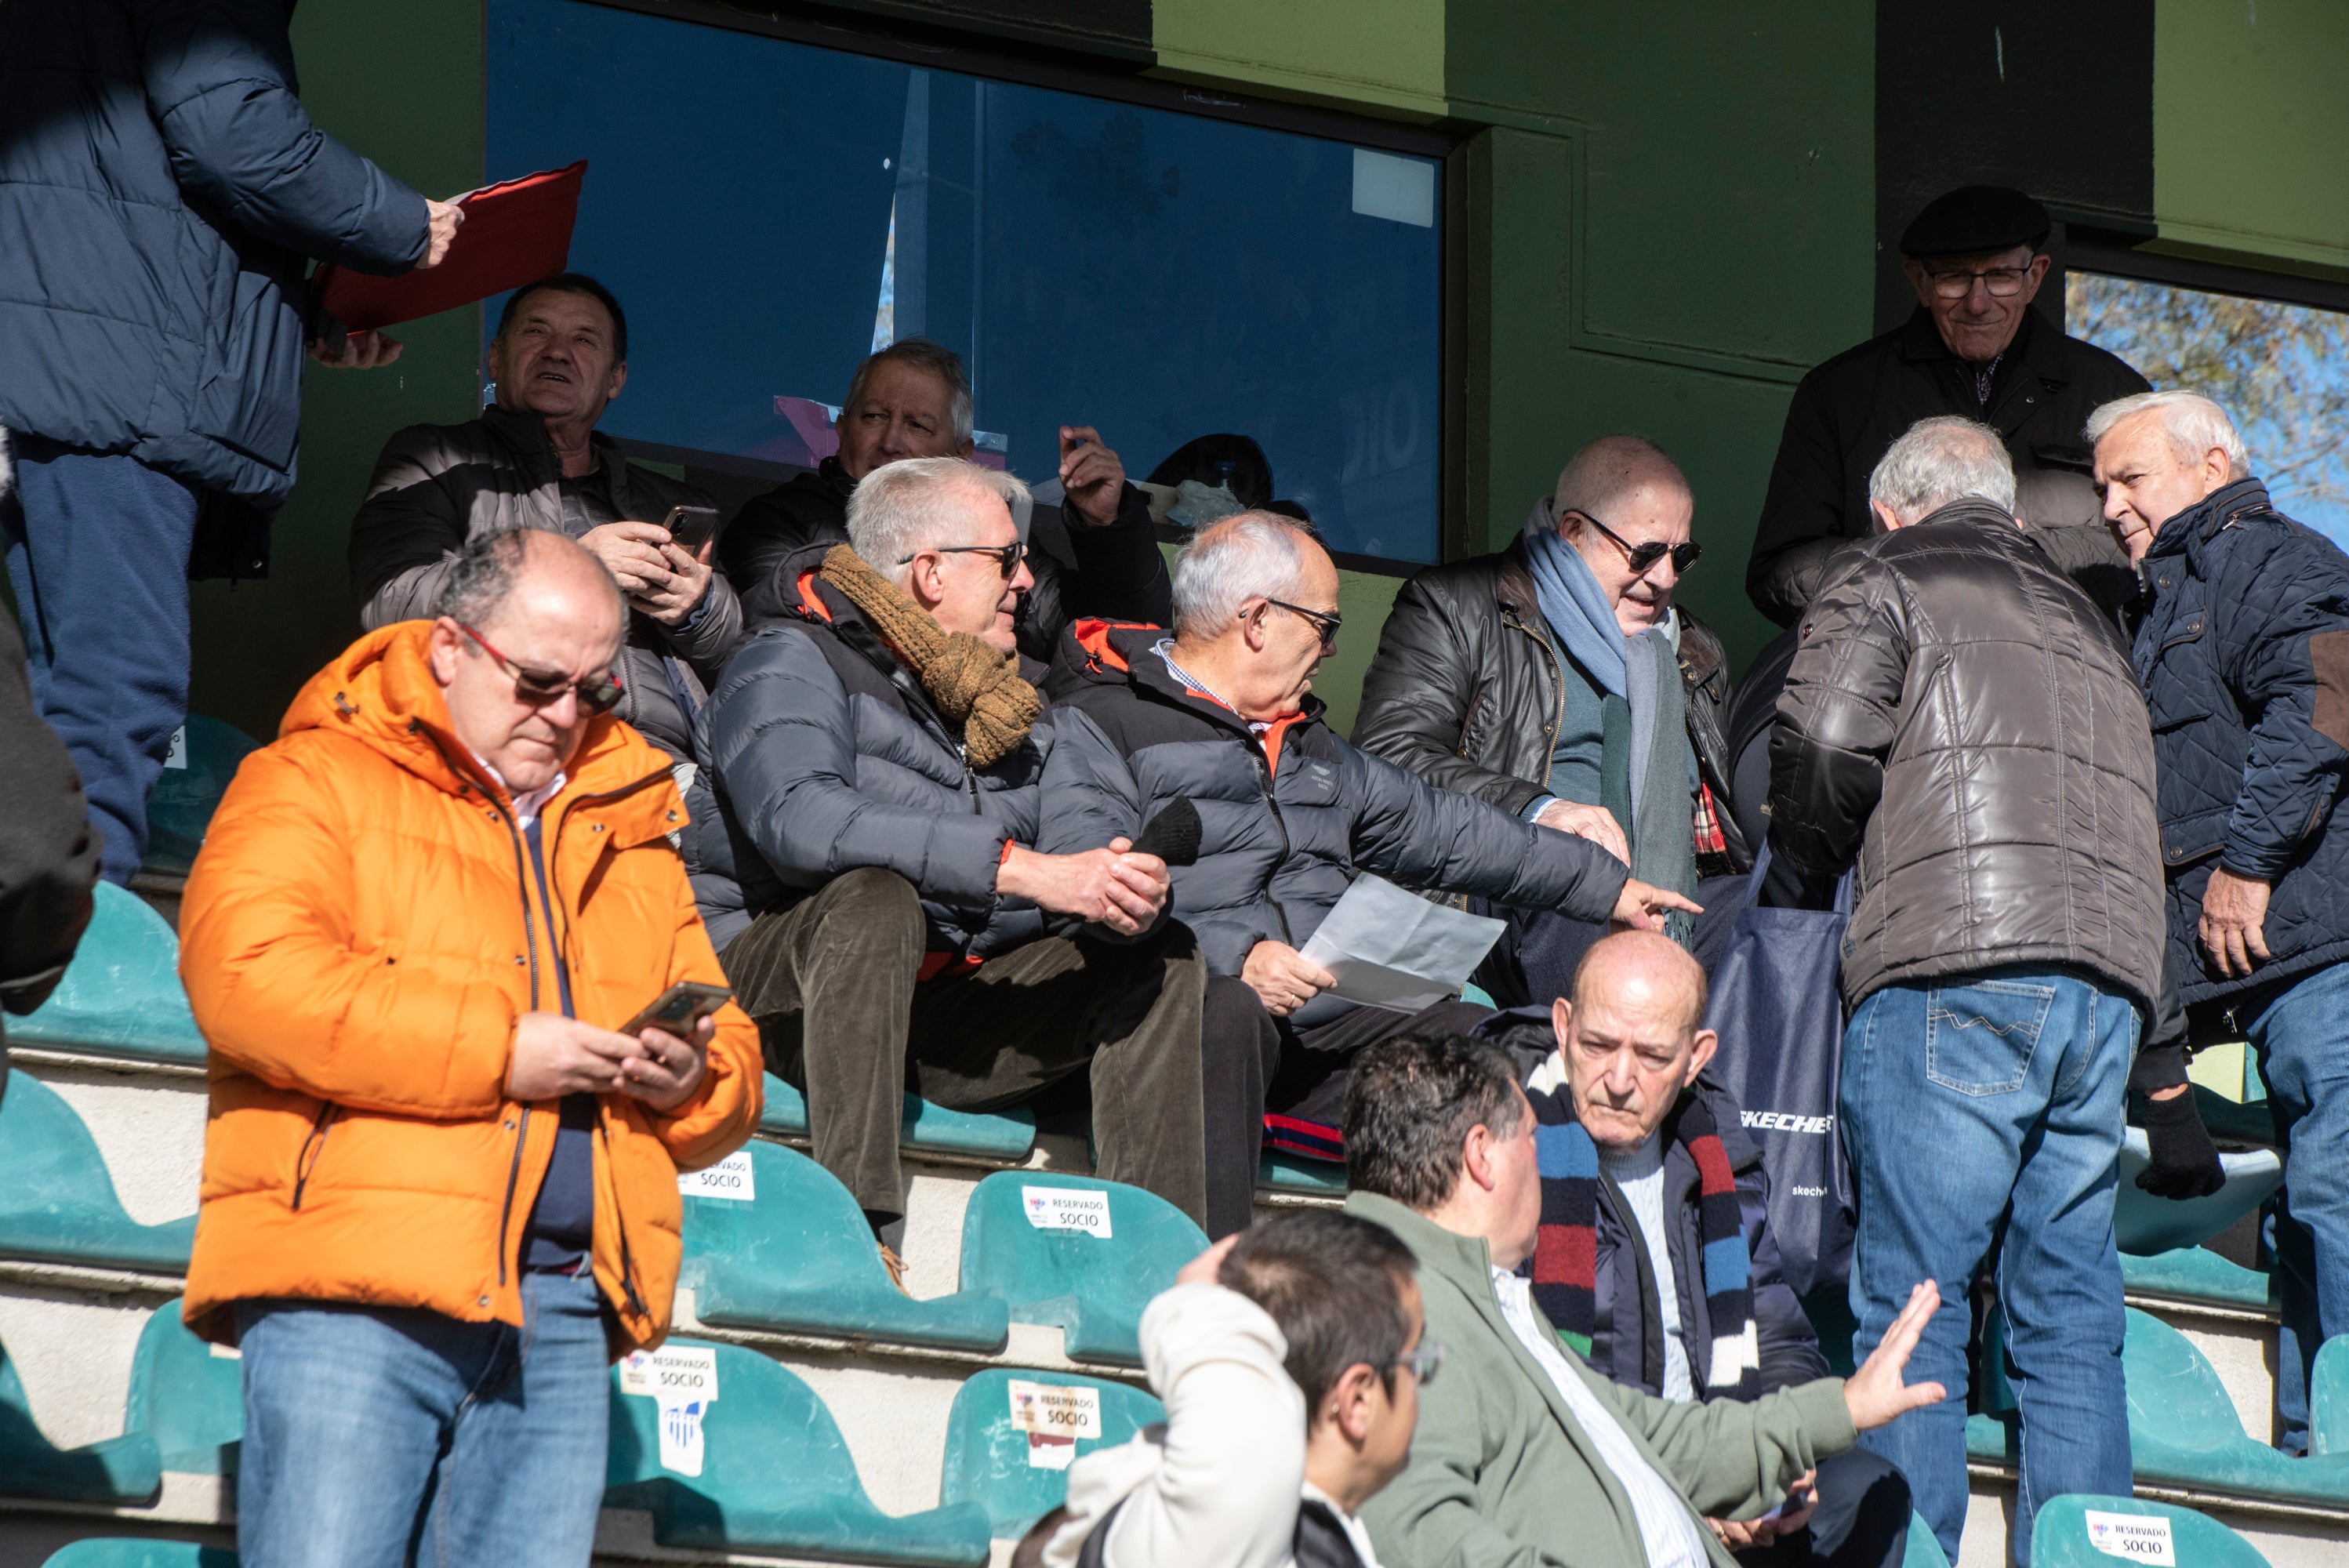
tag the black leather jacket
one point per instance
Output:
(1961, 717)
(1465, 691)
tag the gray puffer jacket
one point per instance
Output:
(1965, 720)
(1288, 819)
(830, 756)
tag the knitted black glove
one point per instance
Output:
(2184, 1162)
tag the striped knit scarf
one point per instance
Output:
(1566, 1256)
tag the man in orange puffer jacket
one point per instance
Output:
(440, 1189)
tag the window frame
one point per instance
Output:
(1100, 76)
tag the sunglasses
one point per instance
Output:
(1325, 624)
(544, 688)
(1008, 557)
(1643, 557)
(1423, 1362)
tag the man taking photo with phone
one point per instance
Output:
(439, 1184)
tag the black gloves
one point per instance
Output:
(2184, 1162)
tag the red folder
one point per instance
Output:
(514, 233)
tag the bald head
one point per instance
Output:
(1631, 488)
(1632, 1037)
(1606, 472)
(524, 613)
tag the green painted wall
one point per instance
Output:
(1382, 56)
(402, 86)
(2249, 124)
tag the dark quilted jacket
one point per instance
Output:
(1962, 716)
(160, 187)
(1464, 691)
(2244, 653)
(830, 756)
(1285, 820)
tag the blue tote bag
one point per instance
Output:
(1778, 1009)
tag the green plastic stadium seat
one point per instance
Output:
(57, 1202)
(2197, 1276)
(204, 760)
(122, 995)
(774, 1475)
(187, 1395)
(120, 1470)
(2065, 1535)
(1922, 1551)
(1476, 993)
(989, 1460)
(797, 1255)
(1091, 1287)
(2183, 1430)
(114, 1553)
(990, 1135)
(2144, 1223)
(1284, 1173)
(2328, 1400)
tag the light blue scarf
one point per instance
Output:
(1575, 606)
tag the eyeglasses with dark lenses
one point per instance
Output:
(1423, 1362)
(2003, 282)
(1644, 556)
(1008, 557)
(1325, 622)
(544, 688)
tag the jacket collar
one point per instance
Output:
(2200, 523)
(1126, 653)
(2036, 356)
(526, 433)
(1973, 510)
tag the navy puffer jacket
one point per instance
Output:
(160, 187)
(2243, 649)
(1287, 819)
(830, 756)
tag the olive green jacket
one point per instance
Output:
(1501, 1476)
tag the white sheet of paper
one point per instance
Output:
(1396, 950)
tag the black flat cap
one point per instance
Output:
(1976, 220)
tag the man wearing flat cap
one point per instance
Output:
(1974, 348)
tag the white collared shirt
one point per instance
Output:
(1671, 1533)
(525, 807)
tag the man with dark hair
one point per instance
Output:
(1655, 1260)
(161, 189)
(912, 400)
(1558, 681)
(1974, 347)
(1524, 1454)
(1245, 1473)
(535, 459)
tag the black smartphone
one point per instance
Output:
(677, 1009)
(689, 527)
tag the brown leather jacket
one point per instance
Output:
(1961, 716)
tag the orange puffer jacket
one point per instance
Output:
(357, 940)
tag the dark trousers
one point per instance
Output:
(98, 558)
(831, 981)
(1862, 1520)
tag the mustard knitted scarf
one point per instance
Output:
(976, 688)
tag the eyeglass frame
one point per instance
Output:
(603, 698)
(1425, 1361)
(1326, 624)
(1966, 276)
(1008, 557)
(1684, 554)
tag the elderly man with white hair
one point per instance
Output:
(1963, 722)
(2243, 647)
(1222, 713)
(878, 755)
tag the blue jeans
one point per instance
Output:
(373, 1431)
(2302, 1040)
(98, 558)
(1959, 1099)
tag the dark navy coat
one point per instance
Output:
(160, 187)
(2243, 648)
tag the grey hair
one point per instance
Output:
(923, 354)
(2193, 423)
(1234, 560)
(486, 570)
(916, 503)
(1939, 460)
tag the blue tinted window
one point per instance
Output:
(767, 211)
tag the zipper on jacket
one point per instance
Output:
(1558, 670)
(514, 1180)
(1264, 783)
(312, 1147)
(620, 1225)
(970, 780)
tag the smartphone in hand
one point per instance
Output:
(679, 1009)
(689, 527)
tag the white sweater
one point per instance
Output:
(1224, 1486)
